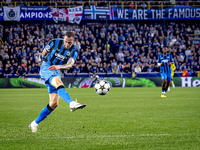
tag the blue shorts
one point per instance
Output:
(48, 75)
(166, 76)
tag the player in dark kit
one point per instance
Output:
(58, 54)
(164, 61)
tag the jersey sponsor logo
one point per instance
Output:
(165, 61)
(60, 57)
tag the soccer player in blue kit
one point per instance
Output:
(58, 54)
(164, 61)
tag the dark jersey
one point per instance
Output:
(95, 69)
(57, 54)
(164, 60)
(101, 69)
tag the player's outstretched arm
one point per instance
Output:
(44, 52)
(66, 66)
(69, 64)
(169, 63)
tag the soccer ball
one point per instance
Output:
(102, 87)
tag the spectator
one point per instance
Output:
(98, 59)
(78, 44)
(101, 68)
(182, 67)
(114, 63)
(185, 73)
(120, 67)
(83, 68)
(20, 71)
(187, 52)
(50, 35)
(114, 34)
(77, 69)
(144, 5)
(33, 69)
(1, 31)
(24, 61)
(1, 71)
(115, 69)
(127, 69)
(29, 71)
(197, 31)
(137, 69)
(102, 34)
(180, 57)
(132, 5)
(108, 68)
(189, 70)
(89, 70)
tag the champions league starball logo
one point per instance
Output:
(12, 14)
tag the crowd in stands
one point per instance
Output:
(130, 47)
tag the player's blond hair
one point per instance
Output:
(70, 34)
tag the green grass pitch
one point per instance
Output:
(126, 118)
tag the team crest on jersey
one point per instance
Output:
(68, 53)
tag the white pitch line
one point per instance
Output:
(106, 136)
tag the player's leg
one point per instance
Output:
(58, 84)
(164, 77)
(168, 89)
(173, 85)
(167, 84)
(172, 82)
(53, 103)
(168, 80)
(163, 86)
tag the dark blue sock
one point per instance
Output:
(63, 94)
(44, 113)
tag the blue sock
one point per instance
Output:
(63, 94)
(165, 91)
(44, 113)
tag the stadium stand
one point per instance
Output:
(130, 46)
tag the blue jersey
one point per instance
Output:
(164, 60)
(57, 54)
